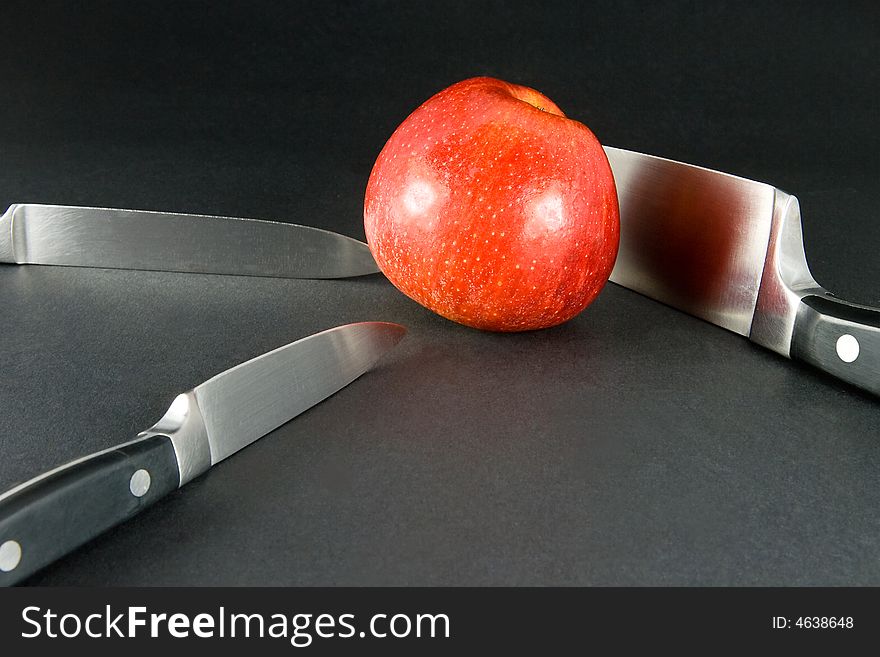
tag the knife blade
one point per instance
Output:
(54, 513)
(730, 251)
(171, 241)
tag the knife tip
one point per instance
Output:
(395, 332)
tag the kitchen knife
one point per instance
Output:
(169, 241)
(731, 251)
(50, 515)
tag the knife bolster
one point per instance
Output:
(184, 425)
(786, 279)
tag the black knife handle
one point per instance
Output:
(55, 513)
(840, 338)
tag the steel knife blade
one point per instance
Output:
(170, 241)
(730, 251)
(54, 513)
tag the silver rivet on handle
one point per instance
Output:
(10, 555)
(139, 483)
(847, 348)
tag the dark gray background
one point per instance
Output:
(632, 445)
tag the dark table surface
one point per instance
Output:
(632, 445)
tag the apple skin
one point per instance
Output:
(491, 208)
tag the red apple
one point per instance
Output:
(490, 207)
